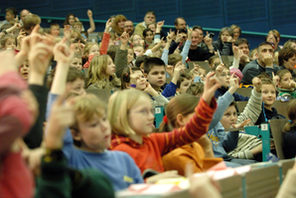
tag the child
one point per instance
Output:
(54, 30)
(286, 85)
(133, 124)
(91, 134)
(224, 43)
(200, 154)
(102, 73)
(224, 142)
(183, 83)
(154, 70)
(268, 98)
(223, 74)
(8, 43)
(289, 135)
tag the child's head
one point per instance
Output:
(152, 27)
(291, 115)
(91, 130)
(184, 82)
(195, 89)
(77, 26)
(75, 81)
(226, 34)
(137, 40)
(8, 43)
(243, 45)
(179, 111)
(54, 29)
(173, 59)
(30, 21)
(24, 70)
(224, 77)
(70, 19)
(101, 68)
(154, 69)
(287, 58)
(77, 63)
(91, 49)
(214, 61)
(285, 79)
(230, 116)
(148, 35)
(134, 76)
(268, 91)
(130, 113)
(236, 31)
(138, 50)
(10, 14)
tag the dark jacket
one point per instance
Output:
(289, 139)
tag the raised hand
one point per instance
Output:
(234, 84)
(108, 25)
(61, 116)
(124, 38)
(268, 60)
(62, 53)
(89, 14)
(210, 87)
(257, 84)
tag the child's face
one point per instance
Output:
(141, 116)
(94, 50)
(244, 48)
(10, 44)
(185, 84)
(139, 50)
(77, 63)
(268, 94)
(140, 80)
(71, 19)
(225, 36)
(78, 28)
(215, 63)
(156, 76)
(224, 77)
(9, 16)
(95, 134)
(290, 63)
(110, 70)
(152, 27)
(137, 40)
(55, 30)
(285, 81)
(77, 86)
(130, 55)
(24, 70)
(229, 118)
(149, 37)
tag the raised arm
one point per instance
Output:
(91, 22)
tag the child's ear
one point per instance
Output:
(180, 120)
(75, 134)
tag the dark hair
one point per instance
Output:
(151, 62)
(146, 31)
(265, 43)
(285, 54)
(30, 21)
(140, 60)
(241, 41)
(66, 22)
(225, 29)
(197, 27)
(11, 10)
(291, 115)
(150, 12)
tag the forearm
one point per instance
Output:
(92, 25)
(59, 82)
(105, 43)
(185, 50)
(120, 61)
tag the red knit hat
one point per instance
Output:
(237, 73)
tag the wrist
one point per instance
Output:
(36, 79)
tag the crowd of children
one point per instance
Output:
(79, 116)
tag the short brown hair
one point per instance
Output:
(285, 54)
(30, 21)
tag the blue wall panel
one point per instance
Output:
(251, 15)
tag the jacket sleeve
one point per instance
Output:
(223, 103)
(120, 61)
(252, 109)
(169, 90)
(105, 43)
(34, 138)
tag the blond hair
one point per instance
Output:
(83, 107)
(119, 106)
(98, 75)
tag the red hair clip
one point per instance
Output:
(165, 119)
